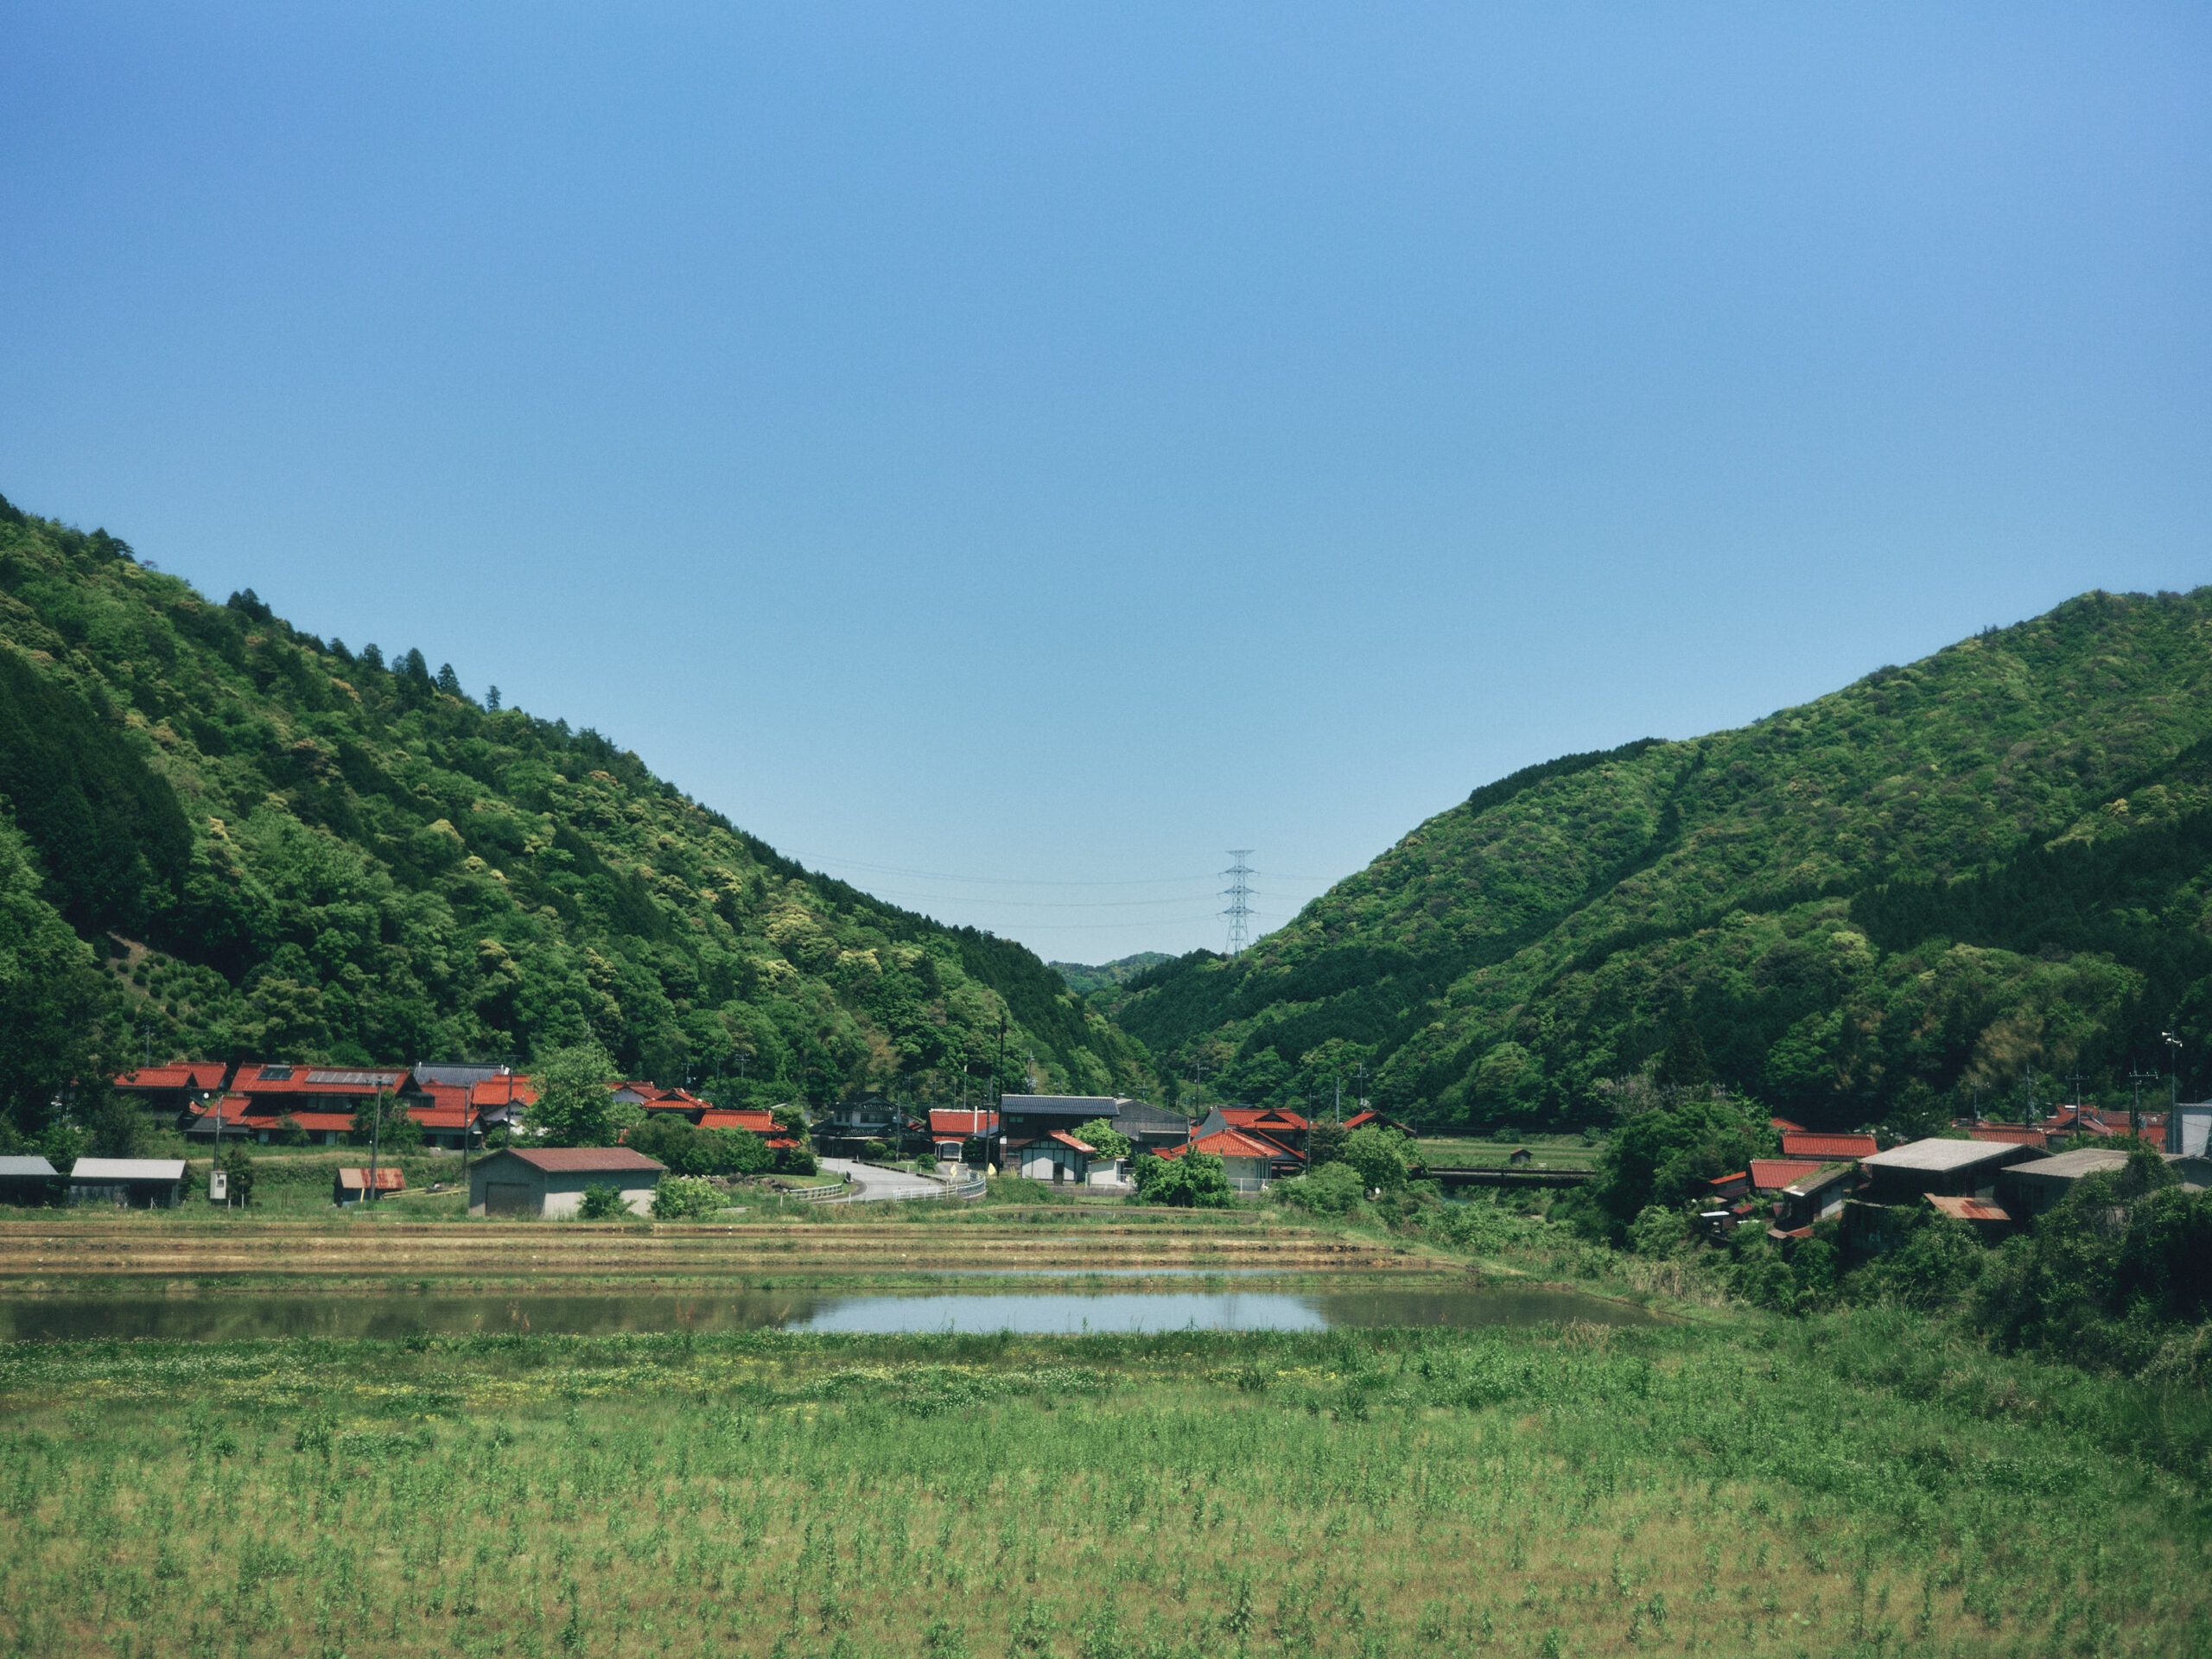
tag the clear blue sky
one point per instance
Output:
(1040, 444)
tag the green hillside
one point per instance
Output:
(1910, 892)
(223, 836)
(1084, 979)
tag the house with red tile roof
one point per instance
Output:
(1377, 1121)
(1770, 1175)
(951, 1129)
(240, 1117)
(278, 1086)
(181, 1086)
(1786, 1126)
(1246, 1159)
(1283, 1132)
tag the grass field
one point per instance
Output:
(1861, 1486)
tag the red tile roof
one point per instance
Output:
(182, 1074)
(443, 1117)
(759, 1123)
(504, 1091)
(1247, 1117)
(357, 1181)
(1226, 1143)
(1824, 1146)
(2016, 1137)
(945, 1120)
(570, 1160)
(1067, 1140)
(1772, 1174)
(1786, 1126)
(253, 1079)
(1362, 1119)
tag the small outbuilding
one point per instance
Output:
(26, 1180)
(135, 1183)
(1990, 1222)
(351, 1186)
(550, 1181)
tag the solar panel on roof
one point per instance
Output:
(360, 1079)
(276, 1074)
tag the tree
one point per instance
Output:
(113, 1127)
(52, 998)
(382, 1122)
(1657, 1156)
(1324, 1144)
(1684, 1064)
(575, 1106)
(1380, 1156)
(1104, 1138)
(1193, 1180)
(237, 1173)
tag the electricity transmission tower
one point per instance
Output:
(1239, 894)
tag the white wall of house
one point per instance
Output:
(563, 1195)
(1039, 1160)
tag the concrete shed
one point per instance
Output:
(26, 1180)
(138, 1182)
(550, 1181)
(1957, 1169)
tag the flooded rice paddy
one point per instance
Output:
(218, 1318)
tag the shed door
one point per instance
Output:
(508, 1198)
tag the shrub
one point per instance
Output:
(925, 1165)
(288, 1132)
(1332, 1190)
(686, 1198)
(1658, 1232)
(238, 1174)
(877, 1151)
(1195, 1180)
(602, 1202)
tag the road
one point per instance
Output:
(881, 1186)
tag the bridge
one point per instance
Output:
(1494, 1175)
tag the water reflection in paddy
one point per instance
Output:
(222, 1318)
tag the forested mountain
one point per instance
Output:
(1084, 979)
(222, 836)
(1909, 893)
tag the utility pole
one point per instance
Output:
(2137, 1075)
(376, 1139)
(1239, 894)
(2028, 1100)
(2173, 1091)
(998, 1089)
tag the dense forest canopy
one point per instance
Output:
(1944, 884)
(222, 836)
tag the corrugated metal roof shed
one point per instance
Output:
(128, 1169)
(1941, 1156)
(25, 1167)
(1969, 1208)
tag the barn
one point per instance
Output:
(550, 1181)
